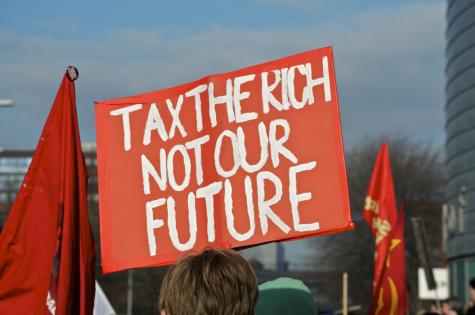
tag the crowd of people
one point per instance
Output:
(222, 282)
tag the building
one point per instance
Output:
(269, 256)
(459, 211)
(13, 167)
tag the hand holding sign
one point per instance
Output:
(230, 160)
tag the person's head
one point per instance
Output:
(452, 306)
(215, 282)
(472, 290)
(285, 296)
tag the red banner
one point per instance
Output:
(47, 255)
(380, 210)
(390, 295)
(231, 160)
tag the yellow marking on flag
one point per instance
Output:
(371, 205)
(380, 302)
(394, 244)
(394, 297)
(382, 228)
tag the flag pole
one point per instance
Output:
(437, 299)
(345, 294)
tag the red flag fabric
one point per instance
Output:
(380, 209)
(47, 256)
(390, 296)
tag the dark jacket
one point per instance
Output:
(471, 311)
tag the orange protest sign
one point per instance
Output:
(230, 160)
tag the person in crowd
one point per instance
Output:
(471, 293)
(452, 306)
(214, 282)
(285, 296)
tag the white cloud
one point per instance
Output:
(389, 64)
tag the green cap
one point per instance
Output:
(285, 296)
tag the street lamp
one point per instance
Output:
(6, 103)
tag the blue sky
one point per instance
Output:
(389, 56)
(103, 16)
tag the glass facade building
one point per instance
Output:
(459, 212)
(13, 167)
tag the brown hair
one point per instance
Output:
(215, 282)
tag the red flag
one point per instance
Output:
(46, 246)
(380, 209)
(390, 295)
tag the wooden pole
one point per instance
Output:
(345, 294)
(437, 300)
